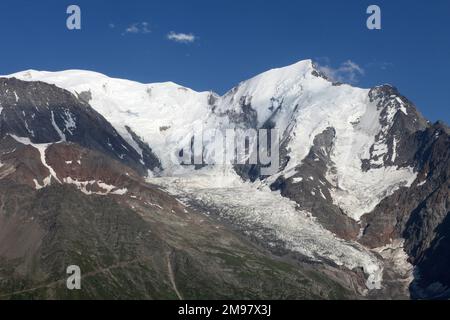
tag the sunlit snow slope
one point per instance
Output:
(158, 113)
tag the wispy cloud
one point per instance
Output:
(181, 37)
(348, 72)
(138, 27)
(381, 65)
(111, 25)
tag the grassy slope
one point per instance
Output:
(136, 254)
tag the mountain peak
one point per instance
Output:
(302, 65)
(298, 69)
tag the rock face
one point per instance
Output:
(45, 113)
(399, 119)
(419, 214)
(309, 187)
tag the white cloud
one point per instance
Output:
(139, 27)
(112, 25)
(145, 28)
(132, 29)
(181, 37)
(348, 72)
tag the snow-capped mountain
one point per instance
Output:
(297, 100)
(157, 112)
(357, 165)
(67, 197)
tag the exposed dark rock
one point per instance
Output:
(310, 188)
(45, 113)
(148, 157)
(399, 119)
(418, 213)
(85, 96)
(432, 277)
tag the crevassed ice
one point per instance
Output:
(271, 216)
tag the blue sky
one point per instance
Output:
(234, 40)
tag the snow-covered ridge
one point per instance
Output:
(158, 113)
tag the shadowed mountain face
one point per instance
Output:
(360, 169)
(419, 214)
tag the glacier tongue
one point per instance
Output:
(271, 218)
